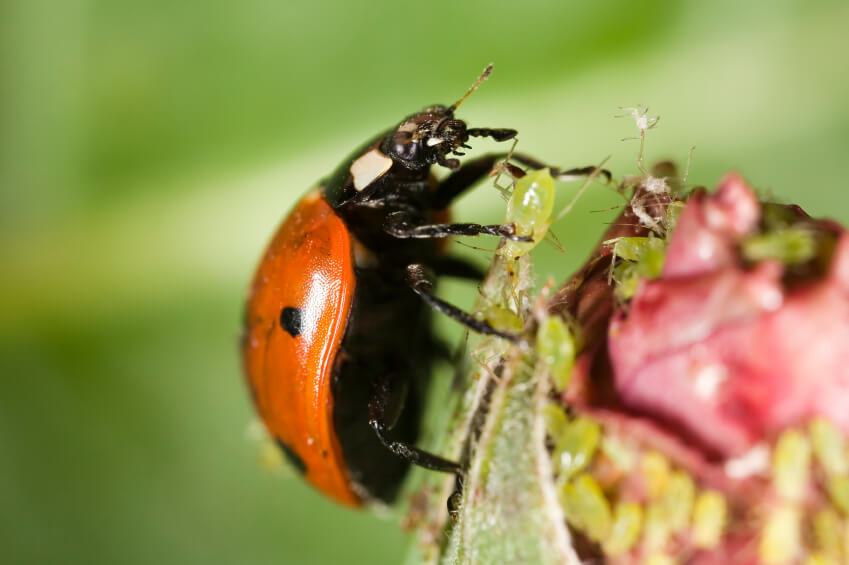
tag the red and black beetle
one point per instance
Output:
(337, 332)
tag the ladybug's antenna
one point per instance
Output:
(474, 87)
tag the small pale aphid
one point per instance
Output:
(529, 209)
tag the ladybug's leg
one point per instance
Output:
(557, 172)
(383, 404)
(400, 224)
(422, 285)
(473, 171)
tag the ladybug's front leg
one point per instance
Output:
(401, 225)
(423, 286)
(473, 171)
(384, 405)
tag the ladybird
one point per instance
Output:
(338, 343)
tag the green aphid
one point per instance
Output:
(555, 420)
(828, 532)
(637, 249)
(791, 463)
(677, 500)
(576, 446)
(555, 346)
(625, 529)
(654, 254)
(623, 456)
(627, 277)
(586, 507)
(709, 516)
(829, 447)
(655, 529)
(503, 318)
(655, 471)
(791, 246)
(529, 208)
(780, 538)
(643, 259)
(838, 491)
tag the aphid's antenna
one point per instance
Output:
(554, 241)
(476, 248)
(581, 190)
(474, 87)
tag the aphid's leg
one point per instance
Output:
(422, 285)
(400, 225)
(383, 404)
(473, 171)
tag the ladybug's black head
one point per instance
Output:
(429, 136)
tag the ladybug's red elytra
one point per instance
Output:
(338, 342)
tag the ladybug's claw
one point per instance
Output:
(413, 454)
(379, 405)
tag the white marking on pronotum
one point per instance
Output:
(369, 167)
(434, 141)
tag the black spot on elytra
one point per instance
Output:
(292, 457)
(292, 320)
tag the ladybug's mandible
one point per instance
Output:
(337, 330)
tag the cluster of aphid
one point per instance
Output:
(590, 466)
(635, 504)
(641, 257)
(629, 502)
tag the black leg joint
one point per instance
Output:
(422, 285)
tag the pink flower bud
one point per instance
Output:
(726, 350)
(724, 375)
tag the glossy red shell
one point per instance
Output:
(308, 265)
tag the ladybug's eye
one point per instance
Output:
(404, 145)
(407, 150)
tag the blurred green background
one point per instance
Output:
(149, 148)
